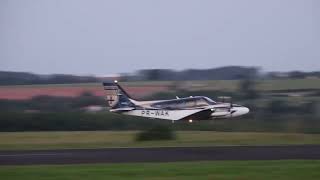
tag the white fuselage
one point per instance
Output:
(188, 108)
(220, 110)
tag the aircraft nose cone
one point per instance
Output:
(245, 110)
(240, 111)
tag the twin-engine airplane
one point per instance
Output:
(188, 109)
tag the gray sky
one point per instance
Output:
(105, 37)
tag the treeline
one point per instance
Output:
(276, 114)
(24, 78)
(270, 106)
(293, 75)
(80, 121)
(246, 90)
(63, 114)
(52, 103)
(221, 73)
(68, 121)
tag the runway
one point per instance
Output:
(164, 154)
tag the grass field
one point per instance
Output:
(102, 139)
(222, 170)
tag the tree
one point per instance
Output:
(248, 90)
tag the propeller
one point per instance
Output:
(230, 108)
(223, 98)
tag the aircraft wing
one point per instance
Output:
(200, 115)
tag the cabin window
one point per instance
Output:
(201, 102)
(185, 103)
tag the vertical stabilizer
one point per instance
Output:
(116, 96)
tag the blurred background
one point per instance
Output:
(55, 54)
(279, 101)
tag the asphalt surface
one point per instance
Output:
(165, 154)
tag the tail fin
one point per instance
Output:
(116, 96)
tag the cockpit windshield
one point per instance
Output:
(192, 102)
(210, 101)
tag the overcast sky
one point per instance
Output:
(113, 36)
